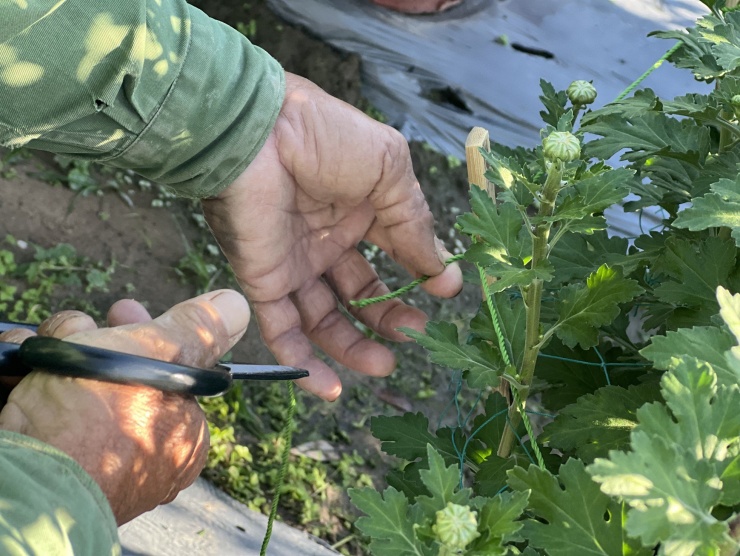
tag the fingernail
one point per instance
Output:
(442, 252)
(234, 311)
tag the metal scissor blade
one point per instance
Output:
(240, 371)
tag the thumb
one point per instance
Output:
(196, 332)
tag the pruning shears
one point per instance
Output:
(76, 360)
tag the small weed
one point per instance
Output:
(249, 29)
(244, 461)
(30, 288)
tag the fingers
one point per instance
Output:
(331, 331)
(447, 284)
(65, 323)
(280, 325)
(196, 332)
(127, 311)
(353, 278)
(16, 335)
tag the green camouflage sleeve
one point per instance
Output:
(50, 505)
(155, 86)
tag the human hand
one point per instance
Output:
(141, 445)
(327, 178)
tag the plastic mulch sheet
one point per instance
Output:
(437, 76)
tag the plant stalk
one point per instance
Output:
(533, 305)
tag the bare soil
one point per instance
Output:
(147, 242)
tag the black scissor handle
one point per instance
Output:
(81, 361)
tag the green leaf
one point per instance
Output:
(498, 522)
(648, 135)
(680, 453)
(695, 270)
(718, 209)
(695, 53)
(642, 102)
(671, 181)
(707, 344)
(492, 476)
(578, 518)
(441, 341)
(554, 103)
(729, 310)
(576, 256)
(388, 523)
(599, 422)
(512, 318)
(407, 437)
(501, 228)
(442, 483)
(594, 194)
(507, 275)
(582, 309)
(671, 496)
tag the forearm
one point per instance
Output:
(49, 504)
(157, 87)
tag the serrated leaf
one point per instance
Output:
(572, 373)
(724, 165)
(680, 453)
(576, 256)
(708, 344)
(512, 318)
(578, 517)
(582, 309)
(648, 135)
(729, 310)
(441, 341)
(594, 194)
(442, 483)
(407, 437)
(643, 101)
(554, 103)
(695, 53)
(491, 478)
(499, 521)
(695, 269)
(388, 523)
(599, 422)
(508, 274)
(500, 228)
(716, 209)
(671, 181)
(670, 495)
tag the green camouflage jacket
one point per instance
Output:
(155, 86)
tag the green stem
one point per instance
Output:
(533, 304)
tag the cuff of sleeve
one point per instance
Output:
(50, 505)
(216, 116)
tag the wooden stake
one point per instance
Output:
(478, 138)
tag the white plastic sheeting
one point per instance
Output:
(437, 76)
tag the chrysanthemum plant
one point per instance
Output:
(607, 368)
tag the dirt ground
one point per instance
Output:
(147, 242)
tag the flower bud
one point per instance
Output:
(561, 145)
(456, 526)
(581, 92)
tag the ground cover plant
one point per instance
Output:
(606, 369)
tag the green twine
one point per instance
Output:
(287, 436)
(528, 425)
(650, 70)
(520, 406)
(400, 291)
(493, 310)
